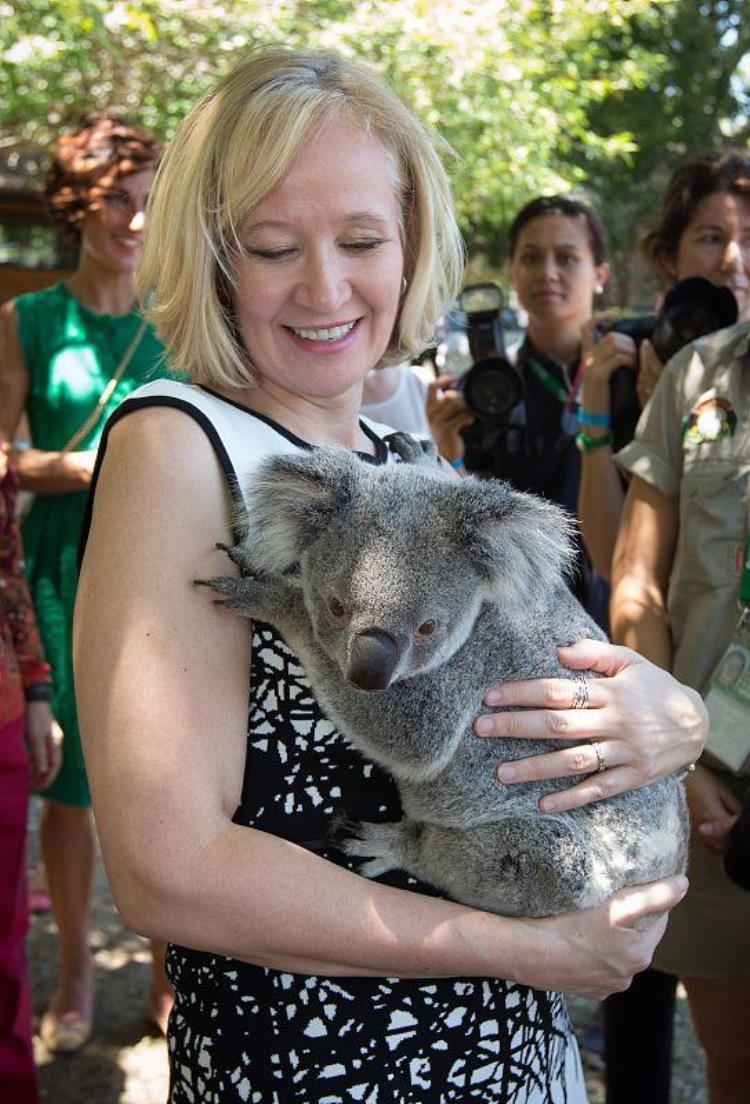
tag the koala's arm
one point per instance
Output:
(276, 599)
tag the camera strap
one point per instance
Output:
(567, 395)
(552, 383)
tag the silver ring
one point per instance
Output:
(581, 693)
(600, 764)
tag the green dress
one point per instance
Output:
(70, 353)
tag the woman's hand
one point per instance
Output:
(649, 370)
(714, 809)
(603, 355)
(641, 724)
(447, 414)
(50, 473)
(80, 466)
(597, 951)
(44, 743)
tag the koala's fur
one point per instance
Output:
(400, 546)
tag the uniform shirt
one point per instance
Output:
(693, 444)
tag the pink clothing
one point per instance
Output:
(18, 1083)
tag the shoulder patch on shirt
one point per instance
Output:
(710, 418)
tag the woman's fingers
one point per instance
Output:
(595, 787)
(627, 906)
(597, 655)
(596, 757)
(548, 693)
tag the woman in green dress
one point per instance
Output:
(70, 355)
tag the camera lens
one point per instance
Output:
(492, 389)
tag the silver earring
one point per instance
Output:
(599, 289)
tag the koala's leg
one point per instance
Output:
(516, 867)
(389, 846)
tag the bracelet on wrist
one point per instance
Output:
(39, 692)
(584, 443)
(458, 464)
(589, 418)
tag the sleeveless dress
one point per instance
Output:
(244, 1033)
(70, 353)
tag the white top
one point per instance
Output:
(405, 409)
(247, 437)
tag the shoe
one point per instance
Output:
(65, 1034)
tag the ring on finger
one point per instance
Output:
(581, 693)
(601, 764)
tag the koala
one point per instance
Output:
(405, 593)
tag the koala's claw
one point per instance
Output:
(388, 847)
(239, 555)
(413, 450)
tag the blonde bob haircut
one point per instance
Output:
(232, 149)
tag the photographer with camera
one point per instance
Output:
(558, 265)
(677, 575)
(702, 232)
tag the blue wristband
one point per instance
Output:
(587, 417)
(458, 464)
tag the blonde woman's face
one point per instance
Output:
(318, 283)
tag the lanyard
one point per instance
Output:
(565, 395)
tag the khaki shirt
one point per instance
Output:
(693, 444)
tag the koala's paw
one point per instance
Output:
(239, 555)
(413, 450)
(243, 596)
(388, 846)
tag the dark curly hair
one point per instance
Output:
(697, 178)
(86, 164)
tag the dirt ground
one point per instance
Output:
(126, 1062)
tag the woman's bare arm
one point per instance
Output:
(39, 471)
(640, 573)
(162, 679)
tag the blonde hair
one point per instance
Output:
(232, 149)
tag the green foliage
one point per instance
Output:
(533, 95)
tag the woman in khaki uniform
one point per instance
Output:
(676, 578)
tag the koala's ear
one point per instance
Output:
(522, 544)
(291, 501)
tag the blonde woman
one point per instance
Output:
(301, 233)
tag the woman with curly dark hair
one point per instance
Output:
(70, 354)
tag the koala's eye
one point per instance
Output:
(335, 607)
(427, 629)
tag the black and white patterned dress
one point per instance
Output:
(240, 1033)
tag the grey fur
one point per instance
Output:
(401, 546)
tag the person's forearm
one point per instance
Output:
(600, 495)
(50, 473)
(638, 619)
(261, 899)
(600, 501)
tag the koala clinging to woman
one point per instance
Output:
(406, 592)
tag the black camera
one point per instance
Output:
(691, 309)
(491, 387)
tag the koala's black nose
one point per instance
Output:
(372, 660)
